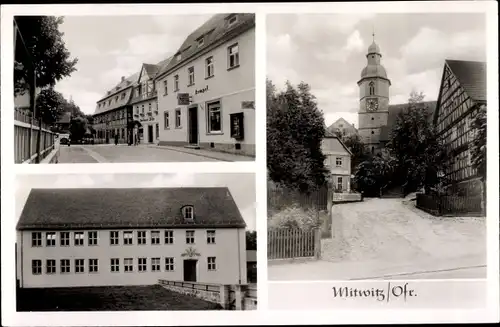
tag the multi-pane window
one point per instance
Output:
(191, 75)
(169, 264)
(142, 265)
(210, 236)
(79, 238)
(339, 183)
(166, 124)
(211, 263)
(115, 265)
(155, 237)
(50, 239)
(36, 267)
(92, 238)
(36, 239)
(209, 67)
(114, 238)
(93, 265)
(233, 56)
(79, 265)
(64, 238)
(127, 238)
(169, 237)
(128, 264)
(188, 212)
(65, 266)
(177, 118)
(190, 237)
(338, 161)
(141, 237)
(165, 87)
(214, 117)
(51, 266)
(176, 83)
(155, 264)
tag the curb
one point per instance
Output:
(195, 154)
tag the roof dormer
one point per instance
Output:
(178, 56)
(188, 213)
(200, 41)
(231, 20)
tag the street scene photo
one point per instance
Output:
(376, 146)
(113, 242)
(170, 88)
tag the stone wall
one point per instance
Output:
(207, 295)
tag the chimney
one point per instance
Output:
(123, 78)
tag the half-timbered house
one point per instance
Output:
(462, 93)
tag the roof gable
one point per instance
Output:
(212, 31)
(334, 144)
(471, 76)
(129, 208)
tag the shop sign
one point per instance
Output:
(247, 104)
(147, 119)
(183, 99)
(203, 90)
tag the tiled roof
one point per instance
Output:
(394, 111)
(65, 118)
(123, 85)
(212, 31)
(129, 208)
(333, 143)
(472, 77)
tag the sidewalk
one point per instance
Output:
(222, 156)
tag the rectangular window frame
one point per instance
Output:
(36, 239)
(209, 67)
(156, 264)
(128, 265)
(217, 105)
(141, 237)
(64, 238)
(233, 56)
(211, 264)
(92, 238)
(169, 237)
(155, 237)
(190, 237)
(169, 264)
(211, 236)
(50, 239)
(114, 265)
(178, 118)
(36, 267)
(142, 264)
(128, 240)
(114, 237)
(176, 83)
(65, 266)
(93, 266)
(191, 79)
(79, 238)
(50, 266)
(79, 266)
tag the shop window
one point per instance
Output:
(214, 117)
(237, 130)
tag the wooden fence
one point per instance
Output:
(450, 205)
(26, 133)
(290, 243)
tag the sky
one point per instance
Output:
(241, 186)
(328, 51)
(109, 47)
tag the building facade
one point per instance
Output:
(176, 234)
(144, 104)
(113, 114)
(376, 117)
(338, 162)
(206, 93)
(461, 94)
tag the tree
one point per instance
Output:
(295, 130)
(358, 150)
(45, 49)
(414, 144)
(251, 240)
(50, 104)
(478, 147)
(372, 174)
(78, 128)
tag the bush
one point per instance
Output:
(295, 217)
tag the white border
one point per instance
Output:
(262, 316)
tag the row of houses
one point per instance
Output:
(202, 97)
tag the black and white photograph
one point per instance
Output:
(106, 89)
(376, 155)
(136, 242)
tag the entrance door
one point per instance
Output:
(193, 125)
(150, 133)
(190, 270)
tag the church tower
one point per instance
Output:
(373, 99)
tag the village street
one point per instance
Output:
(111, 153)
(385, 238)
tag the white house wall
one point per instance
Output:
(229, 250)
(230, 87)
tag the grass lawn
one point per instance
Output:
(110, 298)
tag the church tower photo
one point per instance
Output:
(373, 100)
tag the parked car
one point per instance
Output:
(65, 141)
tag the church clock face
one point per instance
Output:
(372, 104)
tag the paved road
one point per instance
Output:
(123, 153)
(384, 237)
